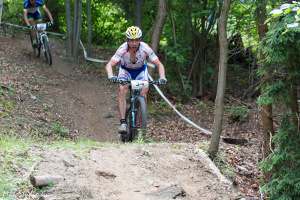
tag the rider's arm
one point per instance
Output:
(115, 60)
(161, 68)
(109, 66)
(48, 13)
(26, 18)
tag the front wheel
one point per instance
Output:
(35, 45)
(47, 52)
(136, 119)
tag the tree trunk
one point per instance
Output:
(69, 28)
(159, 23)
(89, 23)
(219, 102)
(138, 13)
(1, 7)
(77, 27)
(265, 110)
(294, 105)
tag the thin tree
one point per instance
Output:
(159, 23)
(219, 102)
(89, 23)
(69, 28)
(138, 13)
(77, 27)
(265, 110)
(1, 7)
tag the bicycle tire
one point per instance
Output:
(37, 49)
(140, 118)
(47, 52)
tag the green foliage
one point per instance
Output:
(109, 23)
(6, 105)
(238, 113)
(13, 158)
(159, 108)
(13, 11)
(201, 105)
(241, 20)
(59, 129)
(224, 166)
(280, 51)
(284, 163)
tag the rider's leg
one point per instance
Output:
(34, 18)
(143, 75)
(144, 92)
(32, 32)
(123, 90)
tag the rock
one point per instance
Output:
(108, 115)
(105, 174)
(171, 192)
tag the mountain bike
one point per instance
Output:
(42, 41)
(136, 114)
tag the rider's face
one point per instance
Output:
(133, 43)
(32, 2)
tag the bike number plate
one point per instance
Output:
(41, 27)
(138, 84)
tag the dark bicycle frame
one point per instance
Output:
(41, 37)
(131, 112)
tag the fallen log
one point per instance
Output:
(45, 180)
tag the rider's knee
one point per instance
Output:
(123, 90)
(144, 92)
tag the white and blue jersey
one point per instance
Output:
(33, 10)
(138, 69)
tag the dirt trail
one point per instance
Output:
(85, 101)
(135, 172)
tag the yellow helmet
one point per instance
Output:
(133, 32)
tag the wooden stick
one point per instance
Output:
(45, 180)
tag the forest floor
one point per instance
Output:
(74, 101)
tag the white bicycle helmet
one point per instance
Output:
(133, 32)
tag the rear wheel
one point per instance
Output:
(47, 52)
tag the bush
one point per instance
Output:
(284, 164)
(238, 113)
(59, 129)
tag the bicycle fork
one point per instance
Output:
(133, 112)
(42, 36)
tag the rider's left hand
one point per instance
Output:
(162, 81)
(49, 24)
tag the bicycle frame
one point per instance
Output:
(133, 111)
(41, 34)
(135, 88)
(42, 42)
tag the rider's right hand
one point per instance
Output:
(33, 27)
(113, 79)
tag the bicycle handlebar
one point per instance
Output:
(41, 26)
(123, 82)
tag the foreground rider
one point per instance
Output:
(32, 14)
(131, 58)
